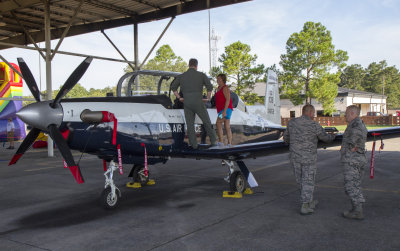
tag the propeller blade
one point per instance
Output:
(63, 147)
(72, 80)
(29, 139)
(29, 79)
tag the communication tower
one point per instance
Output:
(214, 48)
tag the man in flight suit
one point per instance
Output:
(191, 83)
(354, 160)
(302, 135)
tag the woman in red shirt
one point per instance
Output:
(223, 103)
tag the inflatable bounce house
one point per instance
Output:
(10, 87)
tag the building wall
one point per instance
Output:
(367, 104)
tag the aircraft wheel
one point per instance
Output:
(139, 176)
(237, 182)
(106, 198)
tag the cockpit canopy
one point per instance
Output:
(150, 82)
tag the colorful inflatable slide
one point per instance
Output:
(10, 87)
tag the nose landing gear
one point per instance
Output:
(111, 194)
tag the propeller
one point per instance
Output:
(65, 152)
(29, 139)
(47, 116)
(72, 80)
(29, 79)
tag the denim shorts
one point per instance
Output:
(228, 113)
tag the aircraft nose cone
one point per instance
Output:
(28, 114)
(41, 115)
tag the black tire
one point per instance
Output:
(237, 182)
(139, 176)
(106, 200)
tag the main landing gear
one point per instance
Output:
(111, 194)
(138, 174)
(239, 176)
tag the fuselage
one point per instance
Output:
(150, 120)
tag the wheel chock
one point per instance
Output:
(133, 185)
(230, 194)
(151, 182)
(248, 191)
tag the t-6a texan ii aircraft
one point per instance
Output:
(147, 129)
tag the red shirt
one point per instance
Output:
(220, 100)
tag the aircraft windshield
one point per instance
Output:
(146, 82)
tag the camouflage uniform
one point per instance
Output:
(353, 163)
(302, 135)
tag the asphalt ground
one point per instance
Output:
(42, 207)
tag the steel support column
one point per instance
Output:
(49, 90)
(136, 51)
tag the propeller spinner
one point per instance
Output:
(47, 116)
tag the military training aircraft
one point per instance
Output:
(141, 130)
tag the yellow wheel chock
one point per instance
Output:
(133, 185)
(151, 182)
(248, 191)
(229, 194)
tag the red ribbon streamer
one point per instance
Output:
(119, 159)
(104, 165)
(146, 169)
(372, 169)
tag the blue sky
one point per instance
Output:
(369, 30)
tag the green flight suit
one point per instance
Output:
(191, 83)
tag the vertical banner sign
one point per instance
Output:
(119, 159)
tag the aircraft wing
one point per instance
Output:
(375, 134)
(238, 152)
(252, 150)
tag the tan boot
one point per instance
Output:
(313, 204)
(355, 213)
(306, 209)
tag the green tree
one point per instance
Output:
(373, 81)
(102, 92)
(391, 82)
(166, 60)
(381, 79)
(309, 60)
(352, 77)
(241, 68)
(77, 92)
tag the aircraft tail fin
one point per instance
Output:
(272, 101)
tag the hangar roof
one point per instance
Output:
(18, 18)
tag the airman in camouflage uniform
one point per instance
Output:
(354, 161)
(302, 135)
